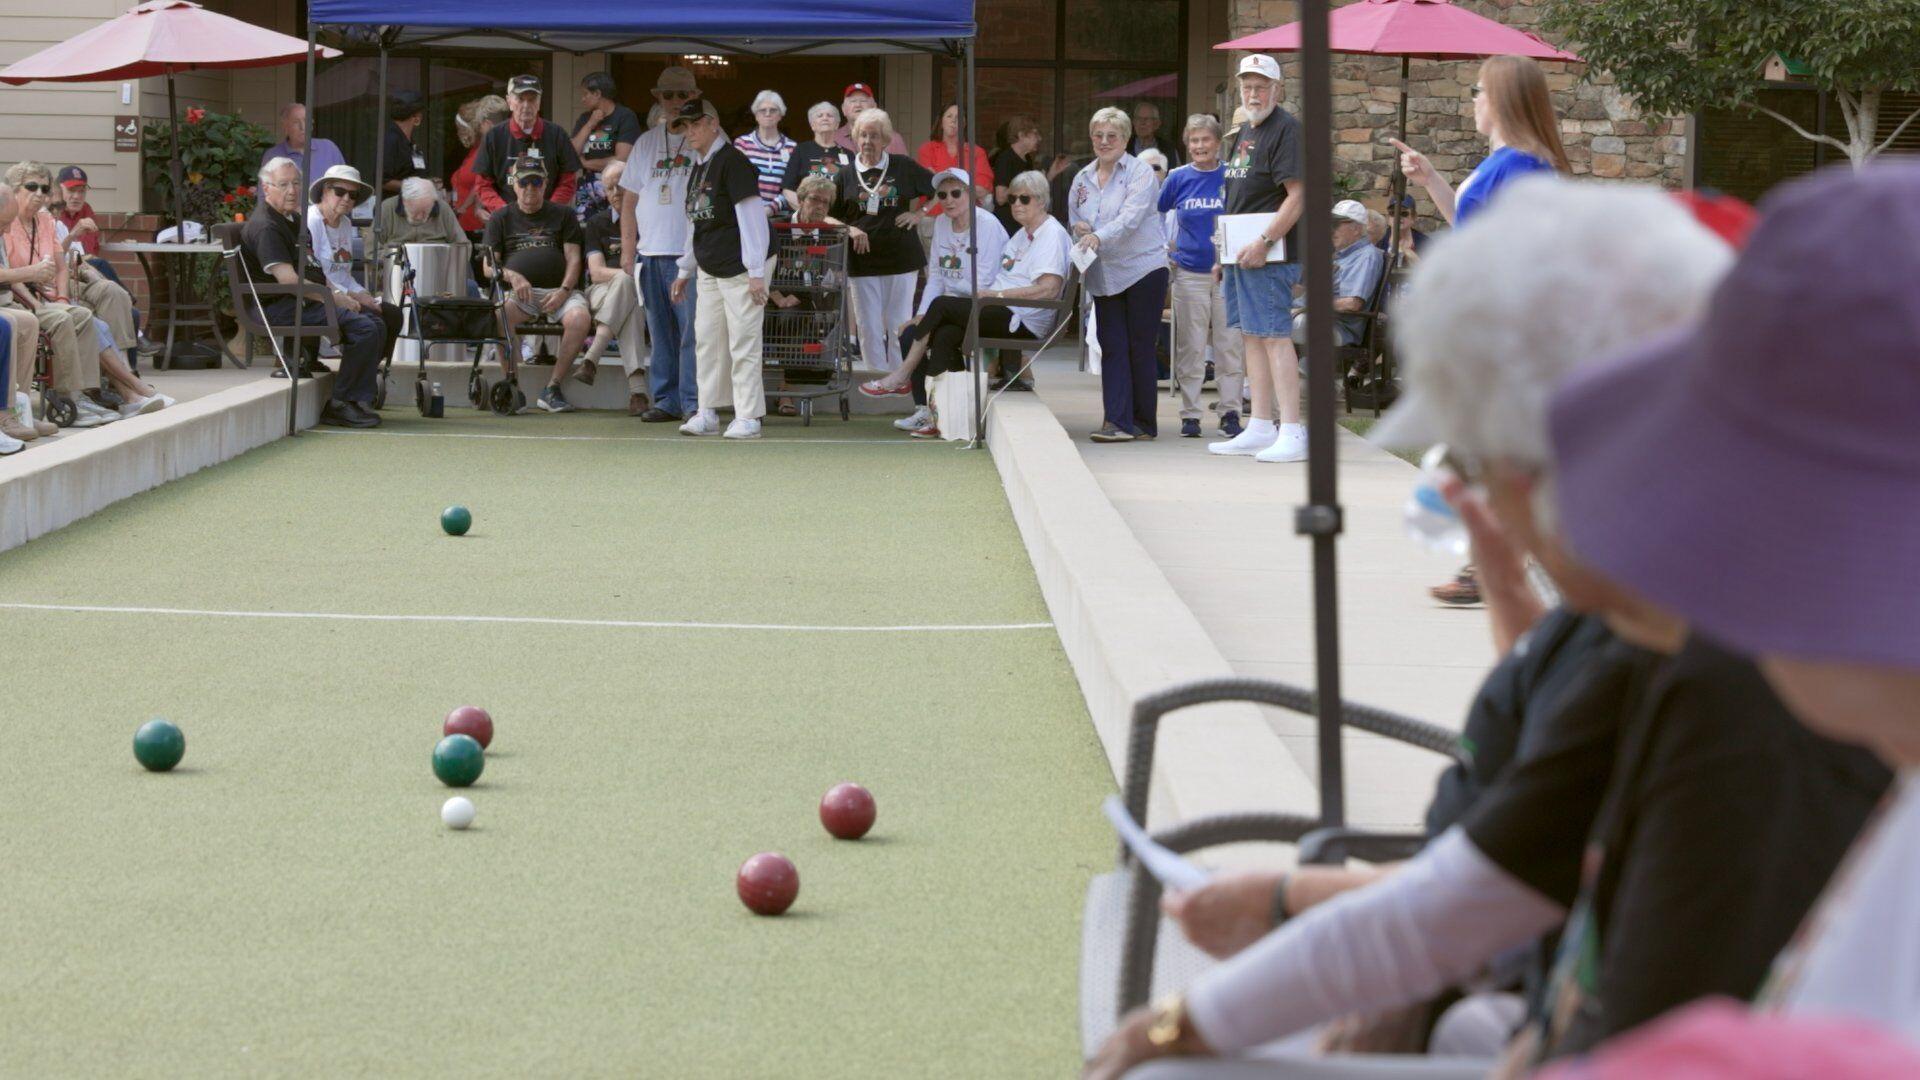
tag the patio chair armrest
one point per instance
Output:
(1337, 845)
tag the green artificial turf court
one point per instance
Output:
(288, 902)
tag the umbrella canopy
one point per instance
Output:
(1421, 29)
(1161, 86)
(159, 37)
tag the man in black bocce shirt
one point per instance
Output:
(538, 245)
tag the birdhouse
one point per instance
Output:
(1779, 69)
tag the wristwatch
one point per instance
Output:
(1171, 1031)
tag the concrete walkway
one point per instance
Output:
(1221, 529)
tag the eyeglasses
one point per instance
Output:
(1475, 90)
(345, 193)
(36, 186)
(950, 193)
(530, 181)
(1025, 199)
(674, 95)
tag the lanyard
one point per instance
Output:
(859, 176)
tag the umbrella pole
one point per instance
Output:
(1399, 177)
(179, 193)
(1320, 519)
(299, 307)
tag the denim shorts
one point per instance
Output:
(1260, 302)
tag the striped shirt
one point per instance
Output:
(769, 161)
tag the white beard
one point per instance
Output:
(1255, 117)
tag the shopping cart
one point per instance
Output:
(805, 353)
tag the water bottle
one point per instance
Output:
(1430, 520)
(436, 403)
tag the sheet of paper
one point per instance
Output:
(1083, 257)
(1170, 869)
(1236, 231)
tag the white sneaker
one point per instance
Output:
(10, 445)
(1290, 446)
(142, 406)
(106, 415)
(743, 428)
(703, 422)
(921, 417)
(1255, 437)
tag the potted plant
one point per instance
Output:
(219, 162)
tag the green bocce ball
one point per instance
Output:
(159, 745)
(456, 520)
(458, 760)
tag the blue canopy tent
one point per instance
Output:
(762, 28)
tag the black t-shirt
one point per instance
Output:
(1060, 187)
(269, 238)
(716, 187)
(397, 156)
(1724, 820)
(533, 245)
(618, 126)
(811, 159)
(1513, 705)
(1262, 160)
(1007, 165)
(603, 235)
(1176, 154)
(870, 200)
(501, 148)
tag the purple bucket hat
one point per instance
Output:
(1759, 474)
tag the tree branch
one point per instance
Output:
(1896, 132)
(1800, 131)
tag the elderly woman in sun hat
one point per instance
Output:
(1718, 767)
(330, 202)
(1760, 475)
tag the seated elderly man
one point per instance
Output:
(419, 216)
(1357, 266)
(81, 226)
(613, 296)
(1671, 810)
(36, 234)
(534, 246)
(330, 226)
(270, 255)
(35, 274)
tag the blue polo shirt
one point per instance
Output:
(1196, 198)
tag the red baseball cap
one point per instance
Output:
(858, 88)
(72, 176)
(1730, 219)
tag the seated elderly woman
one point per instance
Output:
(330, 226)
(1722, 817)
(612, 295)
(1032, 266)
(1736, 475)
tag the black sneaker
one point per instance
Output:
(1110, 434)
(1190, 429)
(1230, 423)
(657, 415)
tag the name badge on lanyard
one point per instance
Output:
(873, 203)
(666, 194)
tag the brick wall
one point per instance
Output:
(1604, 134)
(131, 227)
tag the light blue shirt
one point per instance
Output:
(1125, 216)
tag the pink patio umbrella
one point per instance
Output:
(1427, 29)
(160, 37)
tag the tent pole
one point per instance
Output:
(970, 94)
(1399, 178)
(379, 153)
(313, 127)
(1321, 517)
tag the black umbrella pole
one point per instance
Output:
(179, 192)
(1320, 519)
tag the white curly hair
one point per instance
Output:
(1555, 274)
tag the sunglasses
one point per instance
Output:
(531, 181)
(345, 193)
(951, 193)
(1474, 91)
(674, 95)
(36, 186)
(1023, 199)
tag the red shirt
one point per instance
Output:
(936, 157)
(89, 242)
(463, 181)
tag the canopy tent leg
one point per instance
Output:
(1399, 179)
(969, 94)
(298, 362)
(379, 152)
(1320, 519)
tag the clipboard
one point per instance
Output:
(1233, 232)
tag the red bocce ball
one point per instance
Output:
(767, 883)
(470, 720)
(847, 811)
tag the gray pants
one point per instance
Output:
(1200, 319)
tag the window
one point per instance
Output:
(347, 90)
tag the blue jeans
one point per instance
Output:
(673, 380)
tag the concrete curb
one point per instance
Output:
(44, 488)
(1127, 633)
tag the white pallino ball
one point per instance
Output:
(457, 812)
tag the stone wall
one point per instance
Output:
(1605, 135)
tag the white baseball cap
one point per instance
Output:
(955, 173)
(1260, 64)
(1352, 211)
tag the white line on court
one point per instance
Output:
(689, 440)
(534, 620)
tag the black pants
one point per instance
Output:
(360, 346)
(1129, 324)
(945, 328)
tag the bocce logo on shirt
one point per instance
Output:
(1239, 165)
(1008, 260)
(951, 263)
(700, 204)
(825, 166)
(670, 163)
(534, 238)
(600, 143)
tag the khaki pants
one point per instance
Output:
(616, 304)
(110, 304)
(726, 341)
(1200, 319)
(76, 351)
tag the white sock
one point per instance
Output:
(1260, 426)
(637, 382)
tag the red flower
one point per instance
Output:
(194, 116)
(229, 198)
(245, 191)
